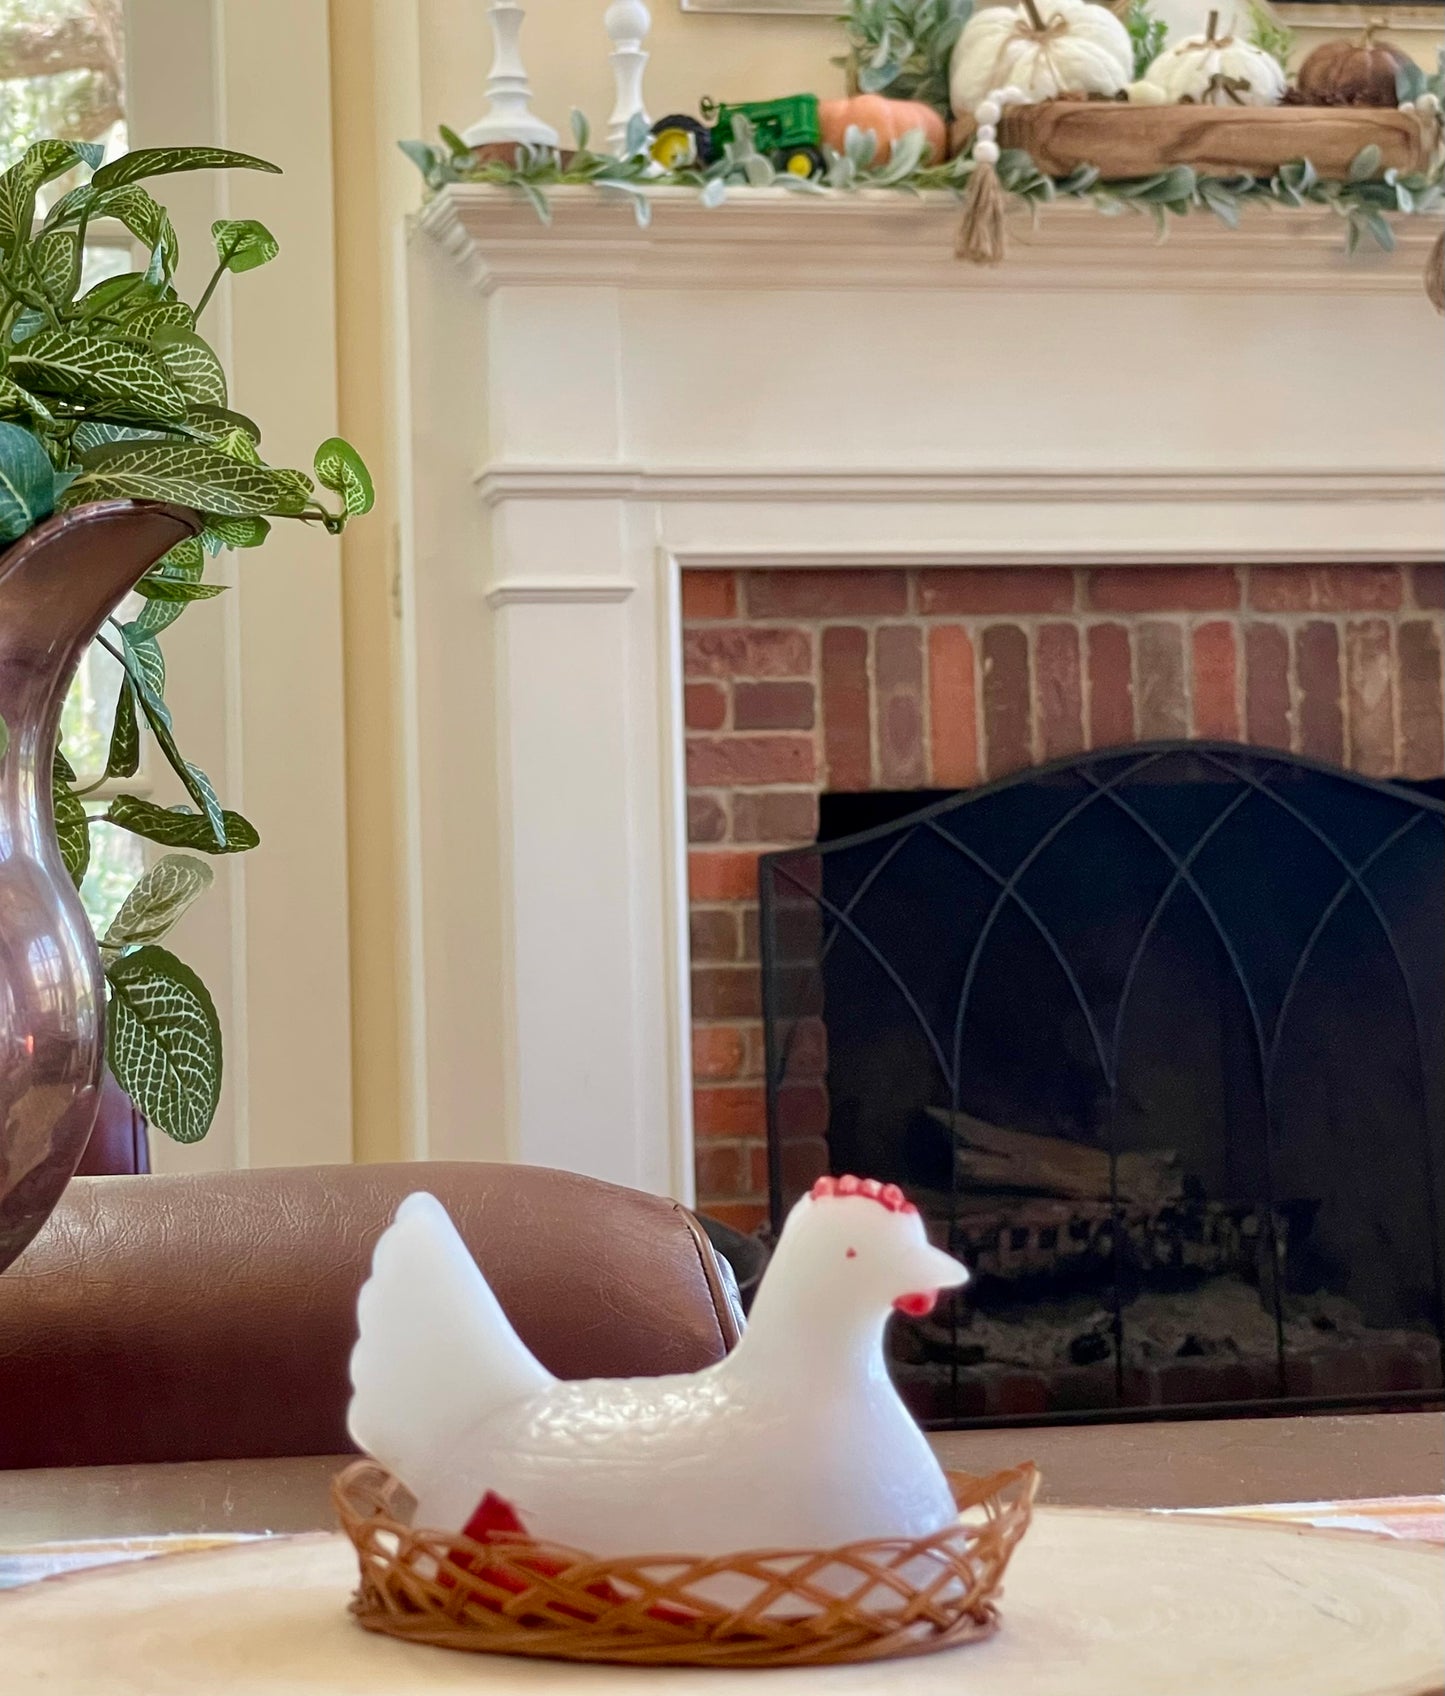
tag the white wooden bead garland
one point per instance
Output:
(980, 235)
(989, 112)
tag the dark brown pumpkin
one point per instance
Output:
(1352, 73)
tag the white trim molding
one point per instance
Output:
(772, 239)
(561, 591)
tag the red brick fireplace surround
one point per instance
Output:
(805, 681)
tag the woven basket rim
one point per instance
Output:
(859, 1601)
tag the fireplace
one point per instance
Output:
(1143, 1233)
(1156, 1037)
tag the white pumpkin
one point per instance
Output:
(1043, 48)
(1217, 70)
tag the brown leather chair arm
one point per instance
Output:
(211, 1316)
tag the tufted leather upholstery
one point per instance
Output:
(210, 1316)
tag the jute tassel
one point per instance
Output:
(1435, 274)
(980, 233)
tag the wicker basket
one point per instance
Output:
(864, 1602)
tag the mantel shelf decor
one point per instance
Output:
(774, 239)
(1388, 194)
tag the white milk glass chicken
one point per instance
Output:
(796, 1440)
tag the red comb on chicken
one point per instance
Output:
(869, 1189)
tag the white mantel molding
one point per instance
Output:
(564, 480)
(778, 239)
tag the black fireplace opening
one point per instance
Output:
(1156, 1039)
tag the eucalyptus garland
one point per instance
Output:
(1363, 201)
(113, 393)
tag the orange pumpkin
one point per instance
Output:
(889, 120)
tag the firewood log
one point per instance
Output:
(989, 1157)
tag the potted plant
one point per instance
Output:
(122, 467)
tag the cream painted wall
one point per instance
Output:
(398, 68)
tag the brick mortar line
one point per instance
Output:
(1081, 619)
(1081, 575)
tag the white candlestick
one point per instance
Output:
(627, 23)
(509, 115)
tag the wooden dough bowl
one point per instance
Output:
(1218, 141)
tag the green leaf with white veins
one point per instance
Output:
(123, 759)
(238, 532)
(164, 1041)
(158, 717)
(72, 826)
(187, 560)
(41, 163)
(140, 323)
(27, 482)
(165, 161)
(239, 444)
(171, 589)
(146, 219)
(188, 472)
(340, 468)
(243, 244)
(113, 296)
(193, 367)
(96, 368)
(15, 400)
(179, 827)
(157, 901)
(142, 655)
(56, 261)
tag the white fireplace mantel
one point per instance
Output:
(589, 407)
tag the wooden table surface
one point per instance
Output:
(1213, 1463)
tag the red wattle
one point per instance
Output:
(919, 1304)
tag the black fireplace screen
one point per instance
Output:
(1156, 1038)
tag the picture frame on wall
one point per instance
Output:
(769, 8)
(1331, 14)
(1326, 14)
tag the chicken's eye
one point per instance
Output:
(852, 1254)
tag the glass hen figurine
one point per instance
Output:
(797, 1439)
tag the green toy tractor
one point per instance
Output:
(785, 131)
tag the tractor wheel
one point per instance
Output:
(680, 142)
(800, 161)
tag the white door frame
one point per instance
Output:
(256, 677)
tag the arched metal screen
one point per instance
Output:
(1158, 1038)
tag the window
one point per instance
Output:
(62, 73)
